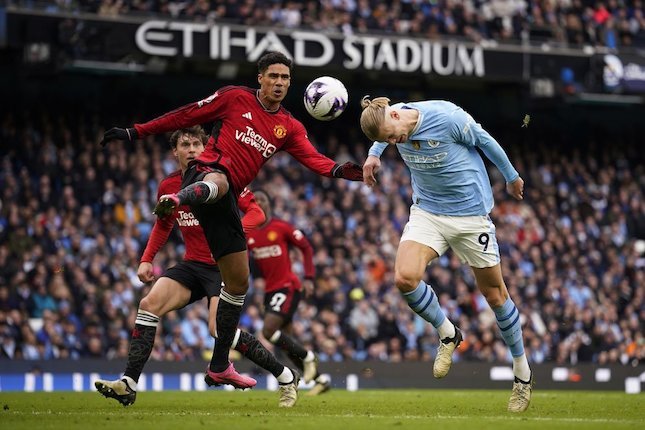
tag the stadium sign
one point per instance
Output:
(623, 74)
(127, 43)
(223, 42)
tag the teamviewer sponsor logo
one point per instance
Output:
(253, 139)
(267, 252)
(186, 219)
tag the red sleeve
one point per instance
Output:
(304, 151)
(297, 238)
(245, 198)
(253, 214)
(208, 109)
(253, 217)
(158, 237)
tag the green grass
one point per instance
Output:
(367, 409)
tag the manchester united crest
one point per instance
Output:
(280, 131)
(272, 235)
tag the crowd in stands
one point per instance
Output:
(610, 23)
(74, 220)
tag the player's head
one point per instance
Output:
(263, 199)
(188, 144)
(274, 77)
(382, 123)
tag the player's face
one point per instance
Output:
(188, 148)
(263, 201)
(393, 130)
(274, 83)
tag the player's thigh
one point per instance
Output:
(472, 238)
(166, 295)
(411, 260)
(222, 226)
(421, 242)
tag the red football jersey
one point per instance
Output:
(248, 135)
(269, 247)
(196, 246)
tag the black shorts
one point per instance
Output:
(203, 280)
(283, 302)
(220, 220)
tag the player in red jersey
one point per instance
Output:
(250, 126)
(195, 277)
(269, 249)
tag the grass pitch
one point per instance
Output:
(366, 409)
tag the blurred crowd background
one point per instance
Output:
(611, 23)
(74, 220)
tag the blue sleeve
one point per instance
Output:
(377, 149)
(465, 130)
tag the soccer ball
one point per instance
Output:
(325, 98)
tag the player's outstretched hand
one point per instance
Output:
(116, 133)
(371, 166)
(308, 288)
(516, 188)
(350, 171)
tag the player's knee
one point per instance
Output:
(406, 281)
(220, 180)
(494, 295)
(149, 304)
(268, 332)
(238, 285)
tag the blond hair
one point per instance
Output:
(373, 115)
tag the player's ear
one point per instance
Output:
(394, 114)
(259, 78)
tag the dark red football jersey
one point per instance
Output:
(269, 247)
(248, 135)
(196, 246)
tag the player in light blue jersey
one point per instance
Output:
(451, 200)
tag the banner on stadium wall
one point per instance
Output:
(79, 375)
(112, 40)
(312, 49)
(623, 74)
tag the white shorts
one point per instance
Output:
(472, 238)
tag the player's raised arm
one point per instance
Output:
(304, 151)
(466, 130)
(158, 238)
(195, 113)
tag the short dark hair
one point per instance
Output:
(263, 191)
(273, 57)
(195, 130)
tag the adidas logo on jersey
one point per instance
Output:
(247, 116)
